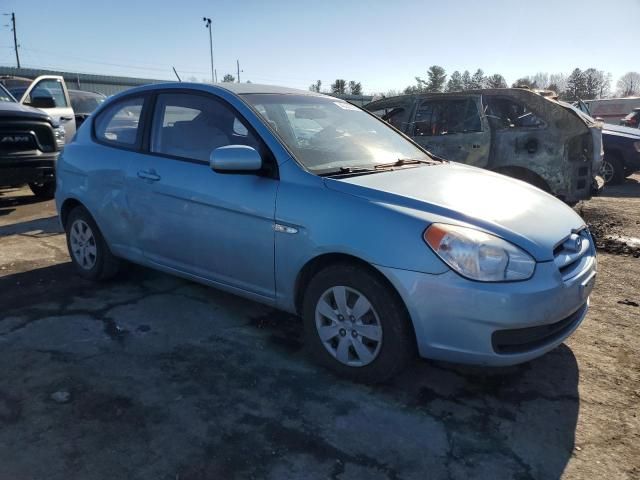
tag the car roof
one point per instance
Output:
(243, 88)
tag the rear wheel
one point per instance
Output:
(89, 252)
(355, 325)
(44, 190)
(612, 170)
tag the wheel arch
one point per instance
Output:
(526, 175)
(325, 260)
(67, 206)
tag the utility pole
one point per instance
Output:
(207, 24)
(238, 65)
(15, 36)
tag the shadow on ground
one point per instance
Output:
(169, 379)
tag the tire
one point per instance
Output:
(45, 190)
(612, 170)
(387, 320)
(90, 254)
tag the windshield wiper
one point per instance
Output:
(401, 162)
(347, 171)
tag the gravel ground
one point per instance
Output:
(153, 377)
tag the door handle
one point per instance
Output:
(148, 175)
(66, 119)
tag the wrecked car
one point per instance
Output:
(309, 204)
(515, 132)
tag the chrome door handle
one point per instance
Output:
(148, 175)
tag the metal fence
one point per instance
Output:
(110, 85)
(107, 85)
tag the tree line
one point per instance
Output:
(587, 84)
(339, 87)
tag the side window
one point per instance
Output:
(395, 116)
(506, 113)
(422, 122)
(447, 117)
(49, 88)
(192, 126)
(119, 123)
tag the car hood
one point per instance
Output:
(462, 195)
(609, 129)
(14, 109)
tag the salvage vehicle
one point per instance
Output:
(84, 103)
(48, 93)
(621, 148)
(30, 141)
(312, 205)
(513, 131)
(632, 119)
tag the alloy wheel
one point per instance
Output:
(607, 171)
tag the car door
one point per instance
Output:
(60, 110)
(453, 128)
(216, 226)
(117, 131)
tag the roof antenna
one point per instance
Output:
(174, 71)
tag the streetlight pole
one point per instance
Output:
(207, 24)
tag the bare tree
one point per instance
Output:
(315, 87)
(629, 84)
(559, 80)
(496, 81)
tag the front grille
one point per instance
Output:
(520, 340)
(19, 135)
(574, 253)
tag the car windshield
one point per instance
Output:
(327, 134)
(17, 92)
(5, 96)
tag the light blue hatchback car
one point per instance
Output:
(314, 206)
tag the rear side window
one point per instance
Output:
(507, 113)
(447, 117)
(119, 123)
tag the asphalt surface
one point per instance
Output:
(153, 377)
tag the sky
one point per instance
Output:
(382, 44)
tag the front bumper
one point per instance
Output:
(463, 321)
(16, 169)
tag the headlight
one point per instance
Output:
(478, 255)
(60, 136)
(637, 146)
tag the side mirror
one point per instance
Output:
(235, 159)
(42, 102)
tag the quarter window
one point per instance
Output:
(192, 126)
(506, 113)
(119, 123)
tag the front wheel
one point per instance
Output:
(44, 190)
(355, 325)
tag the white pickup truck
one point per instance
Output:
(48, 93)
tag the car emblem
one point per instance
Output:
(15, 139)
(573, 243)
